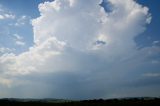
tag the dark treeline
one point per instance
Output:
(96, 102)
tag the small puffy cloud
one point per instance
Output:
(19, 40)
(18, 37)
(155, 61)
(9, 16)
(22, 20)
(20, 43)
(5, 14)
(151, 75)
(6, 50)
(156, 42)
(1, 17)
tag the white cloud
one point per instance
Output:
(151, 75)
(19, 40)
(18, 37)
(6, 50)
(81, 30)
(155, 61)
(22, 20)
(66, 36)
(156, 42)
(20, 43)
(1, 17)
(7, 16)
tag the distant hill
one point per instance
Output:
(94, 102)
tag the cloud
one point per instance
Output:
(151, 75)
(6, 15)
(18, 37)
(155, 62)
(19, 40)
(81, 51)
(5, 50)
(156, 42)
(20, 43)
(113, 28)
(9, 16)
(22, 20)
(1, 17)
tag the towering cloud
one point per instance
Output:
(82, 49)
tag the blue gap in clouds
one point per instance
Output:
(152, 32)
(106, 5)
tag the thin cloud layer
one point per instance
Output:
(81, 51)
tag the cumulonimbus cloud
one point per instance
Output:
(82, 38)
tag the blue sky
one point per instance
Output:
(79, 49)
(20, 8)
(152, 29)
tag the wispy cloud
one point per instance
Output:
(156, 42)
(19, 40)
(22, 20)
(5, 14)
(155, 61)
(151, 75)
(6, 50)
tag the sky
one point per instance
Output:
(79, 49)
